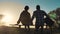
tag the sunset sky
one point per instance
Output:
(11, 9)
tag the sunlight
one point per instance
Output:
(7, 19)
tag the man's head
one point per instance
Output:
(26, 7)
(38, 7)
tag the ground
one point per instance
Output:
(16, 30)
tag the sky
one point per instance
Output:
(11, 9)
(46, 5)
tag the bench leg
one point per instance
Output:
(19, 26)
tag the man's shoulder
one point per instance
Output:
(35, 11)
(42, 10)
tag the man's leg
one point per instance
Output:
(37, 27)
(41, 29)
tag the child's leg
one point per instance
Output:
(28, 27)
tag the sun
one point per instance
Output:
(7, 19)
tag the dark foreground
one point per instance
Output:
(16, 30)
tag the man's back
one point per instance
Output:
(39, 14)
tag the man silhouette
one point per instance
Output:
(39, 15)
(25, 17)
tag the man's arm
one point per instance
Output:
(46, 14)
(33, 16)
